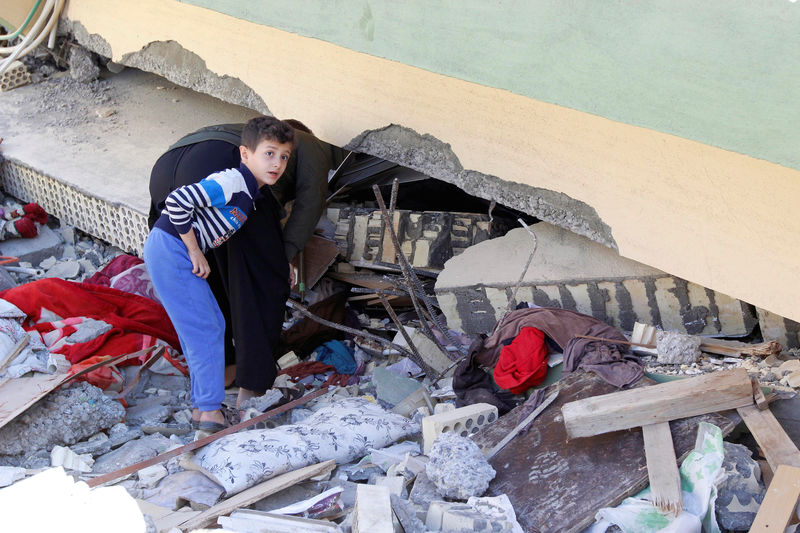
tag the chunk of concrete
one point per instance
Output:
(131, 452)
(96, 445)
(47, 243)
(82, 66)
(149, 410)
(373, 510)
(458, 468)
(6, 281)
(61, 456)
(189, 486)
(677, 348)
(65, 270)
(149, 476)
(119, 434)
(424, 491)
(573, 272)
(776, 327)
(741, 492)
(10, 474)
(427, 349)
(64, 417)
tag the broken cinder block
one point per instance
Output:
(373, 510)
(463, 421)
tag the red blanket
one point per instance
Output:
(136, 321)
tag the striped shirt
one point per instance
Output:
(215, 207)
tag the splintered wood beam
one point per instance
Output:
(658, 403)
(779, 503)
(778, 448)
(662, 467)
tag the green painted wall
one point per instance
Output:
(725, 73)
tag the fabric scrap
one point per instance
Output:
(523, 363)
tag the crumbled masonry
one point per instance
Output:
(457, 467)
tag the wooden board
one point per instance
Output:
(778, 448)
(318, 254)
(19, 394)
(661, 403)
(779, 503)
(258, 492)
(558, 484)
(662, 467)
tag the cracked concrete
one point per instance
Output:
(434, 158)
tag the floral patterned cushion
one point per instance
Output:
(344, 430)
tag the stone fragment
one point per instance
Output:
(61, 456)
(65, 270)
(424, 491)
(48, 263)
(740, 494)
(406, 514)
(82, 67)
(393, 388)
(96, 445)
(395, 484)
(149, 476)
(131, 452)
(793, 379)
(677, 348)
(67, 233)
(104, 112)
(46, 243)
(120, 434)
(69, 252)
(6, 281)
(373, 510)
(792, 365)
(458, 468)
(64, 417)
(149, 410)
(180, 488)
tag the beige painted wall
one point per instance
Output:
(717, 218)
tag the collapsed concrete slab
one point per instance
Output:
(783, 330)
(573, 272)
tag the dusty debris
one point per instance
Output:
(457, 467)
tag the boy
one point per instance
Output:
(199, 217)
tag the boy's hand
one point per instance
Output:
(292, 275)
(200, 266)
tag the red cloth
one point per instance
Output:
(523, 363)
(137, 322)
(119, 264)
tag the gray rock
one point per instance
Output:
(64, 417)
(6, 280)
(424, 491)
(65, 270)
(120, 434)
(67, 233)
(69, 252)
(82, 67)
(741, 493)
(458, 468)
(48, 263)
(97, 445)
(46, 243)
(677, 348)
(188, 486)
(131, 452)
(150, 410)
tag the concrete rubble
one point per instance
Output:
(417, 376)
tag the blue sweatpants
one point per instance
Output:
(195, 314)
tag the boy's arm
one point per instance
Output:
(200, 266)
(213, 191)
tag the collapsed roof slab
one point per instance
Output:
(572, 272)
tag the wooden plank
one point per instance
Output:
(165, 519)
(778, 448)
(758, 395)
(779, 503)
(19, 394)
(258, 492)
(319, 254)
(662, 467)
(557, 484)
(23, 342)
(659, 403)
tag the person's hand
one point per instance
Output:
(200, 266)
(292, 275)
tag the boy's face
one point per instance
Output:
(268, 161)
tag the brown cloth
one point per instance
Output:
(562, 325)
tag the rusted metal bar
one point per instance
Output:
(521, 277)
(417, 357)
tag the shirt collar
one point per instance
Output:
(249, 179)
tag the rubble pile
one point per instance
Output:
(382, 414)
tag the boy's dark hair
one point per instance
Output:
(296, 124)
(266, 128)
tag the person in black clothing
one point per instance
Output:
(249, 280)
